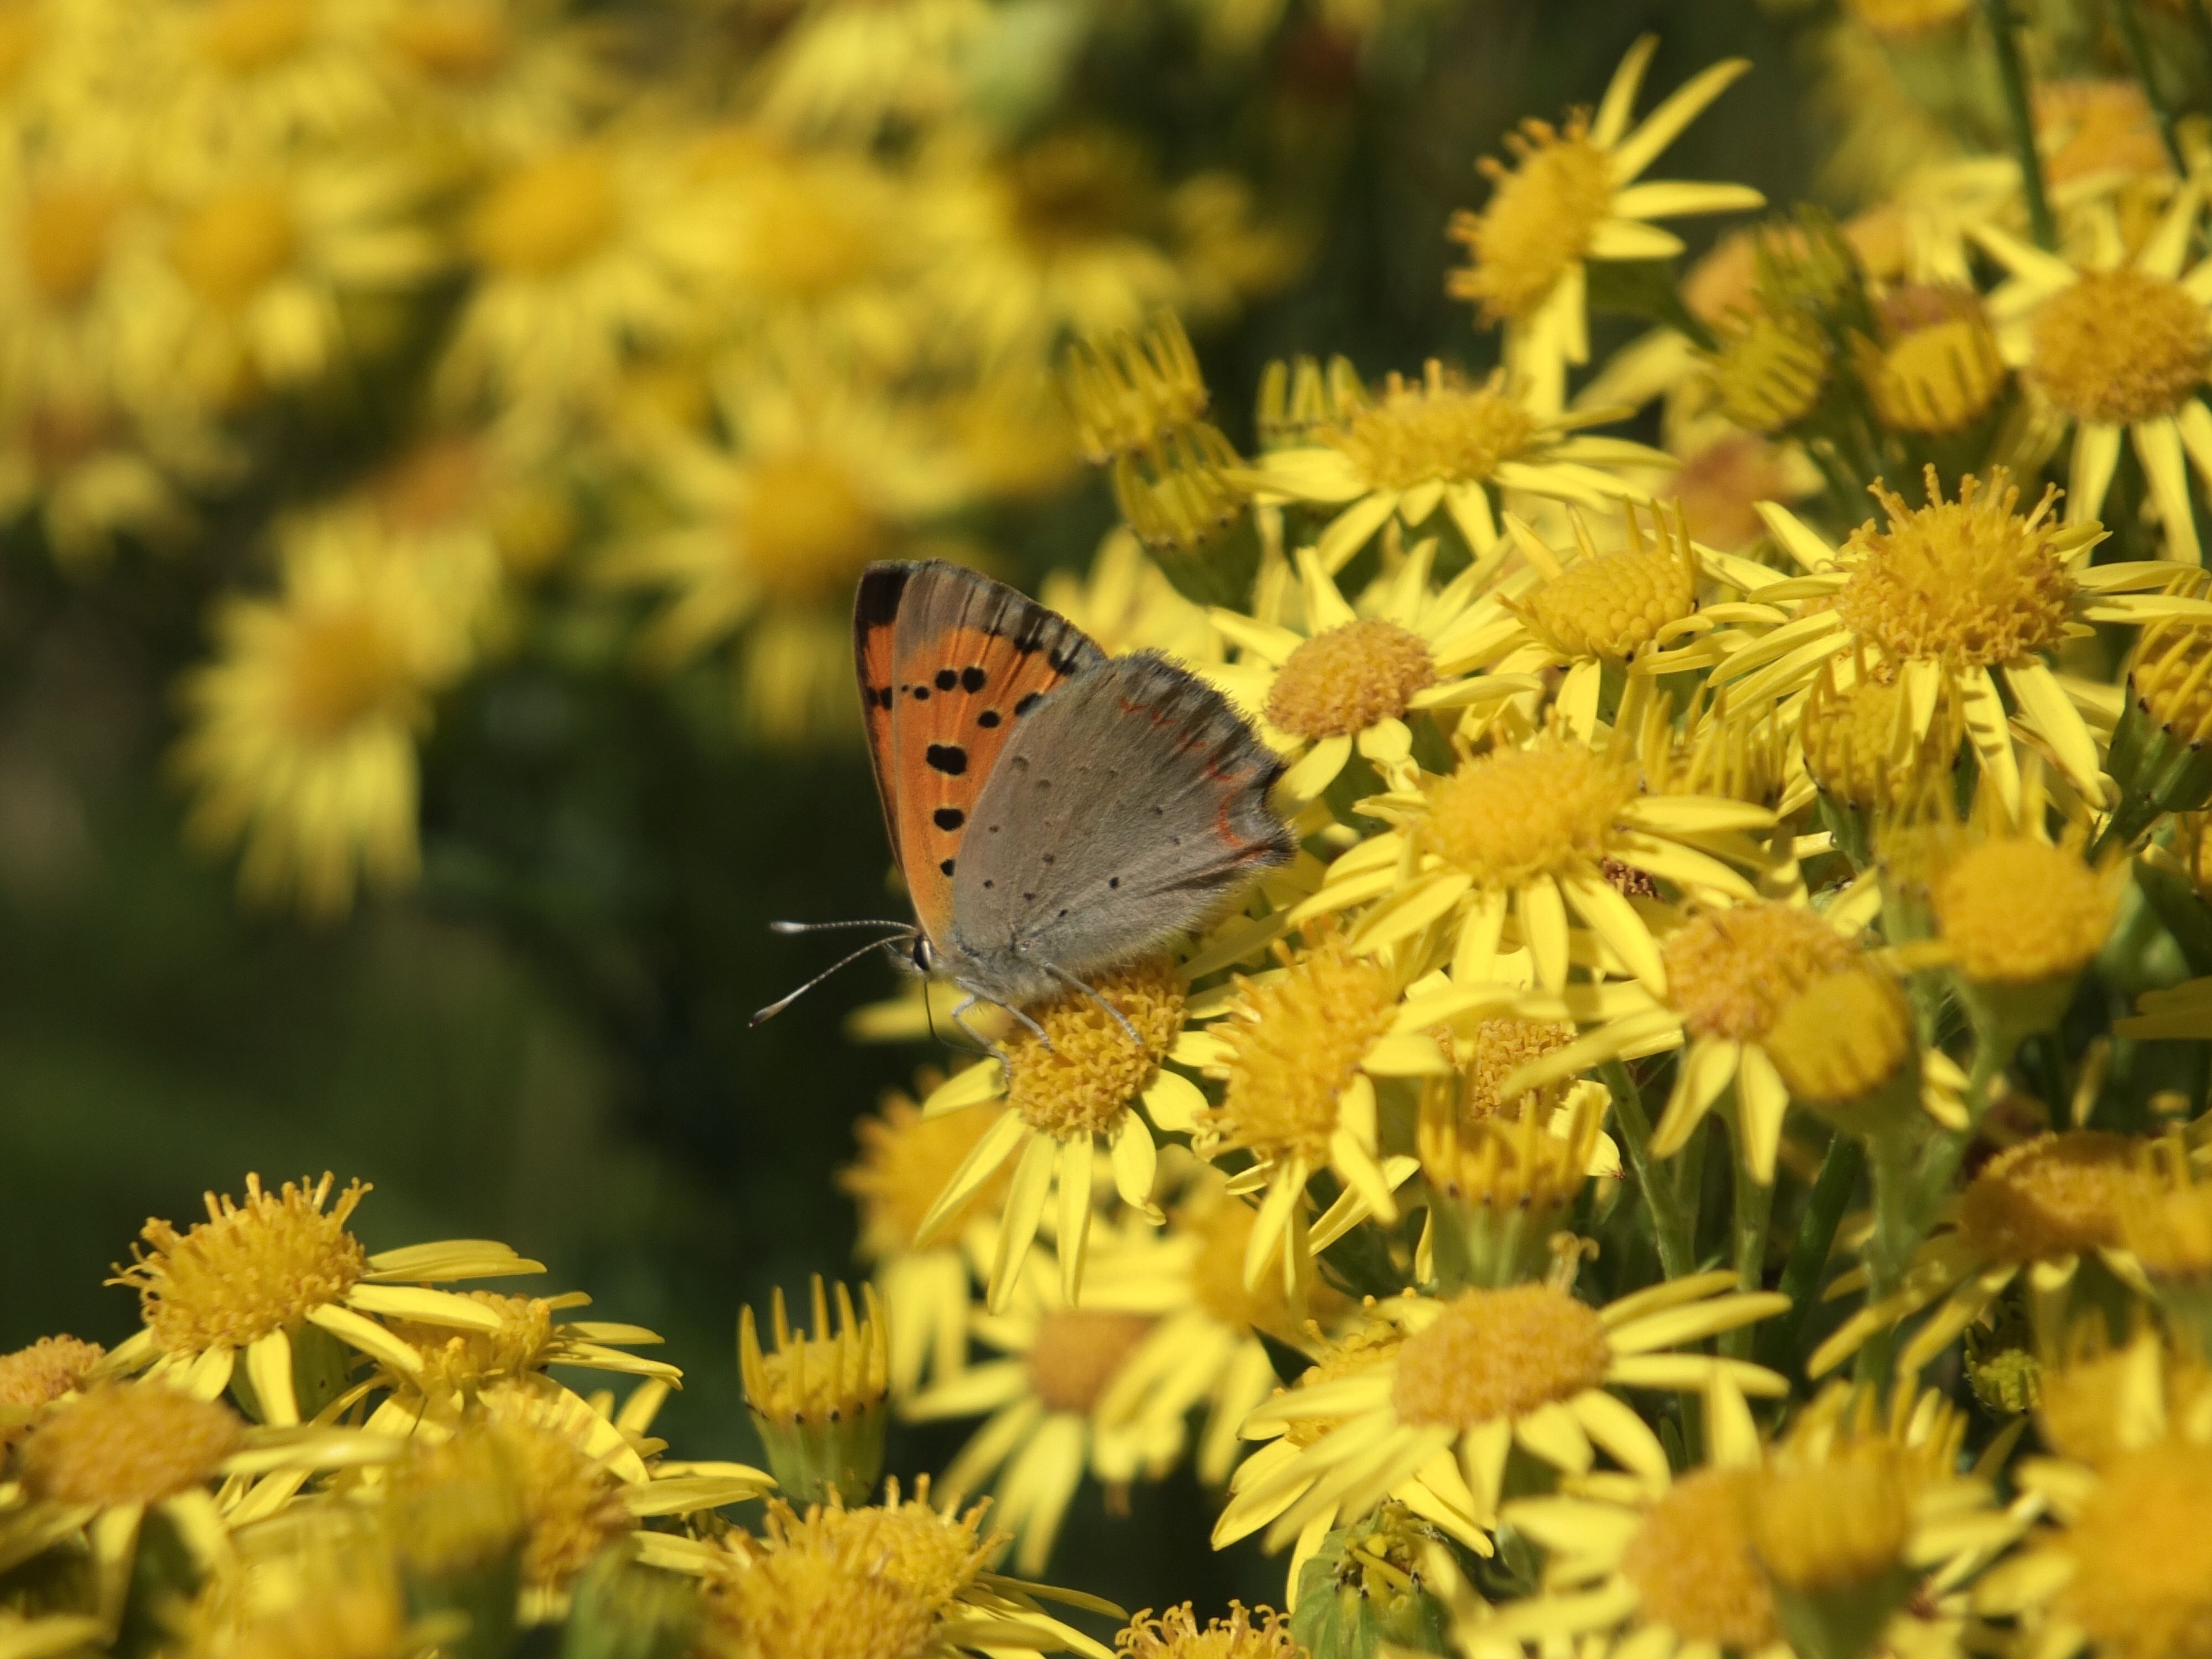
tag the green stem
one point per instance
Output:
(1897, 1210)
(1816, 1238)
(1993, 1052)
(1670, 1228)
(2012, 69)
(1753, 1213)
(2131, 36)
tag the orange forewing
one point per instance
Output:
(955, 697)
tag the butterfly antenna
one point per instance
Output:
(829, 926)
(843, 962)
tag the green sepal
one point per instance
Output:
(621, 1610)
(1843, 1624)
(811, 1461)
(1362, 1592)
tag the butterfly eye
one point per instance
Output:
(924, 957)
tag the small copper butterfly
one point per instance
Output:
(1056, 812)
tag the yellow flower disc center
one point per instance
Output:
(1294, 1043)
(1998, 938)
(1350, 678)
(572, 1504)
(1085, 1080)
(1540, 220)
(234, 243)
(2120, 346)
(65, 231)
(1416, 433)
(1260, 1633)
(1692, 1563)
(1968, 583)
(1613, 605)
(128, 1443)
(806, 529)
(249, 1268)
(462, 1362)
(1514, 814)
(2056, 1196)
(50, 1368)
(827, 1601)
(452, 1504)
(1729, 972)
(2171, 678)
(548, 217)
(1077, 1353)
(341, 669)
(1859, 745)
(1838, 1524)
(1499, 1353)
(931, 1554)
(242, 36)
(2143, 1553)
(458, 42)
(1501, 1047)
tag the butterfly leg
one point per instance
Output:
(1075, 984)
(997, 1053)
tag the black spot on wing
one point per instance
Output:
(1027, 702)
(946, 679)
(944, 866)
(987, 718)
(921, 693)
(949, 759)
(973, 679)
(949, 817)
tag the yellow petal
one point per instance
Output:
(1174, 1103)
(1017, 1225)
(269, 1368)
(1136, 1163)
(982, 1162)
(429, 1307)
(1544, 928)
(1708, 1067)
(986, 1080)
(1076, 1167)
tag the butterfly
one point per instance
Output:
(1056, 812)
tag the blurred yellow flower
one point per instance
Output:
(302, 731)
(812, 477)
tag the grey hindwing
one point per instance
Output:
(1129, 807)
